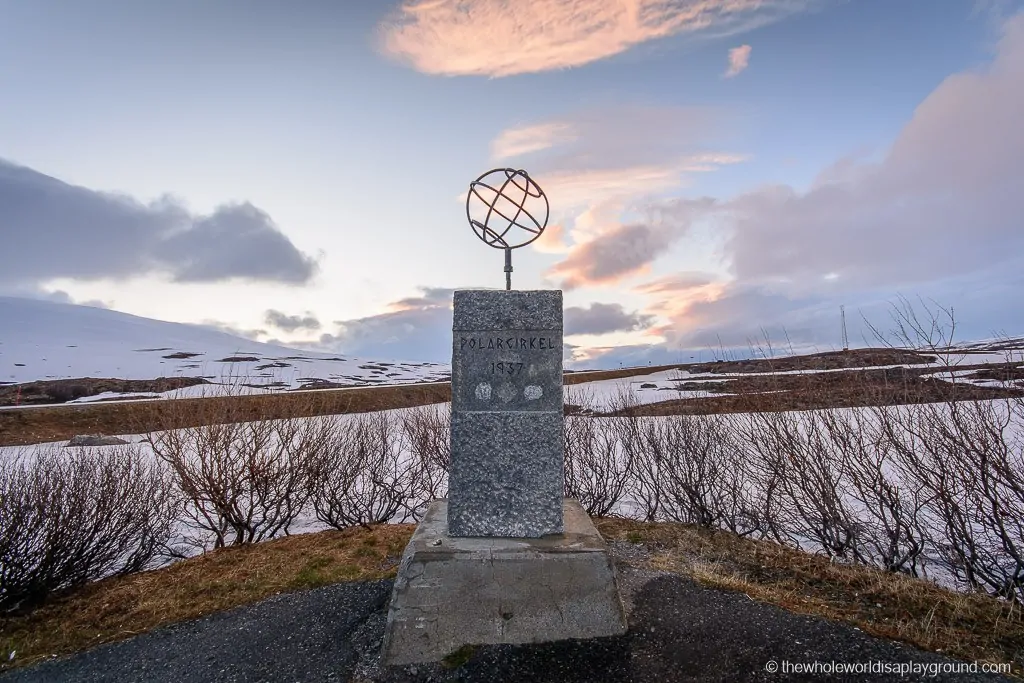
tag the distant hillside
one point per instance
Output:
(43, 340)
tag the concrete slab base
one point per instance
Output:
(452, 592)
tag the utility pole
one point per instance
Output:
(842, 316)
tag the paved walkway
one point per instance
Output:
(679, 631)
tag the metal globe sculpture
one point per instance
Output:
(507, 209)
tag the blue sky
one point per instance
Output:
(293, 171)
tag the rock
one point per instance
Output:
(648, 385)
(84, 440)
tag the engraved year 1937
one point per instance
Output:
(502, 368)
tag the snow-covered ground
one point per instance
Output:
(650, 388)
(41, 340)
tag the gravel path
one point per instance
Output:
(679, 631)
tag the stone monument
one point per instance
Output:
(505, 559)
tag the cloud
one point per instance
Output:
(937, 215)
(416, 328)
(506, 37)
(739, 60)
(618, 254)
(50, 229)
(615, 136)
(552, 240)
(568, 189)
(57, 296)
(514, 142)
(598, 318)
(679, 283)
(291, 323)
(944, 200)
(431, 298)
(250, 334)
(596, 167)
(623, 251)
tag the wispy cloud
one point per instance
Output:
(937, 215)
(507, 37)
(624, 251)
(739, 59)
(597, 167)
(521, 140)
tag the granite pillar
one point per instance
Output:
(507, 442)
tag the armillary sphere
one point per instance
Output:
(507, 209)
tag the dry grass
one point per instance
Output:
(52, 423)
(598, 375)
(968, 626)
(120, 607)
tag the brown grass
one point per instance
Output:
(120, 607)
(846, 389)
(827, 360)
(52, 423)
(597, 375)
(968, 626)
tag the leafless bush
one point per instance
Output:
(66, 519)
(428, 436)
(361, 476)
(968, 460)
(637, 437)
(793, 453)
(700, 473)
(597, 471)
(891, 530)
(243, 481)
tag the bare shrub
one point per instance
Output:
(632, 435)
(66, 519)
(243, 481)
(361, 476)
(700, 473)
(597, 471)
(892, 532)
(795, 457)
(968, 459)
(427, 431)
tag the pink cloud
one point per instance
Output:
(597, 167)
(525, 139)
(945, 199)
(623, 251)
(507, 37)
(938, 214)
(551, 241)
(739, 59)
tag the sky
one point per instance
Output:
(721, 174)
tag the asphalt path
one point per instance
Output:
(679, 631)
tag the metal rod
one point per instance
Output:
(508, 268)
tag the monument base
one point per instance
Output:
(452, 592)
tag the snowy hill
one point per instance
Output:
(42, 340)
